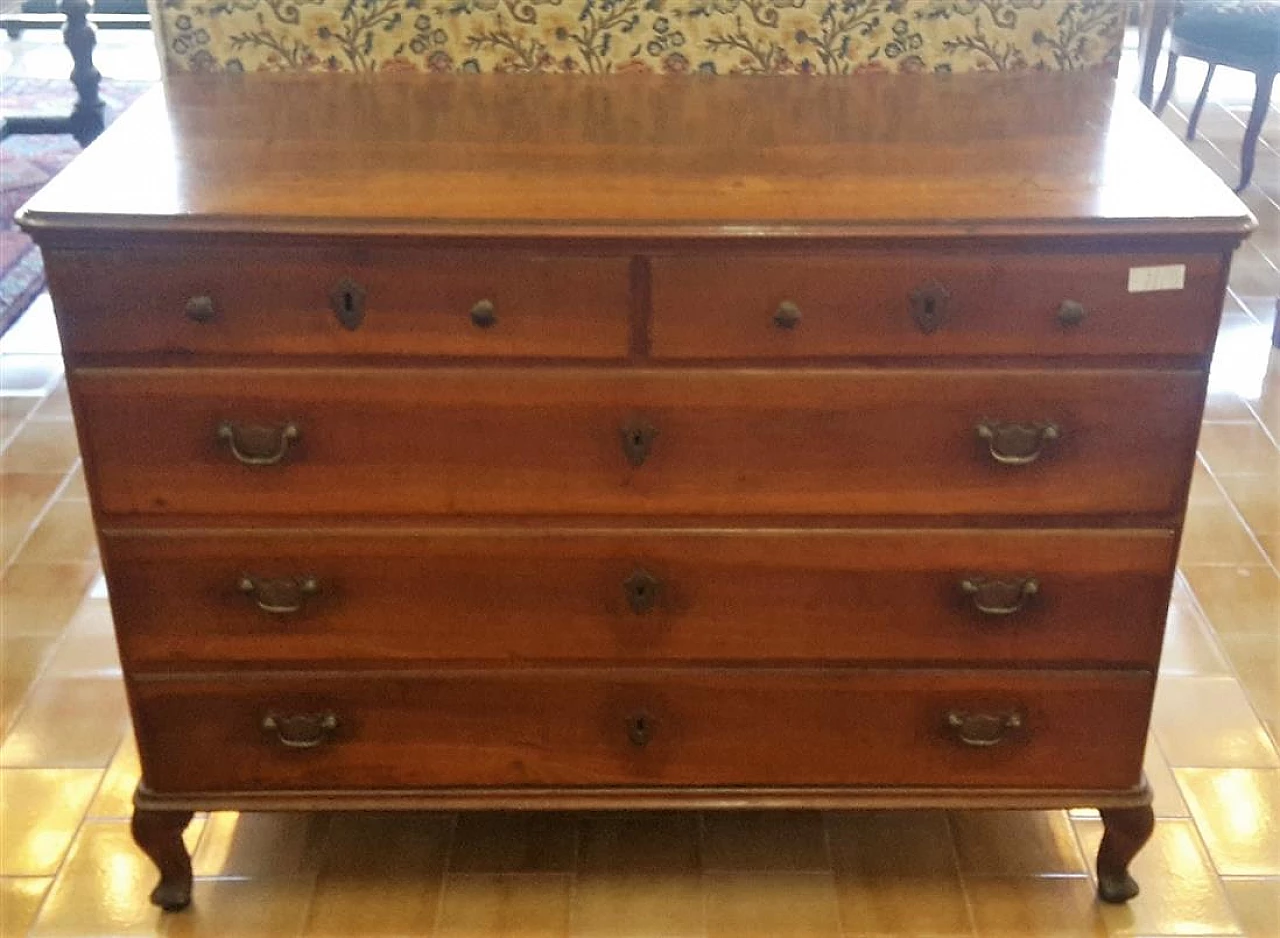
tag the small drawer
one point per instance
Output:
(444, 441)
(1016, 729)
(906, 303)
(505, 598)
(291, 300)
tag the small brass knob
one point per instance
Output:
(787, 316)
(200, 309)
(483, 315)
(1071, 314)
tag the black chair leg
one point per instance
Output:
(1257, 115)
(1170, 74)
(1204, 96)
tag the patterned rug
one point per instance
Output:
(26, 164)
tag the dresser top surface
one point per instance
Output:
(868, 156)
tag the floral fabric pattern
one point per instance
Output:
(819, 37)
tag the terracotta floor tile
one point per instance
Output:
(772, 905)
(40, 598)
(57, 404)
(1270, 544)
(1238, 448)
(274, 845)
(514, 842)
(103, 887)
(1046, 907)
(29, 374)
(638, 905)
(115, 794)
(65, 534)
(1257, 905)
(1237, 600)
(1214, 534)
(241, 909)
(68, 722)
(764, 840)
(1189, 647)
(76, 489)
(1167, 800)
(892, 843)
(665, 841)
(505, 906)
(1208, 722)
(1181, 894)
(42, 446)
(1016, 843)
(22, 658)
(14, 410)
(903, 905)
(1257, 497)
(380, 874)
(22, 499)
(1256, 660)
(41, 811)
(1238, 814)
(1226, 407)
(20, 898)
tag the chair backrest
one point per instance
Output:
(597, 36)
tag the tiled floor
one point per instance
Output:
(67, 763)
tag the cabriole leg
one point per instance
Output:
(159, 835)
(1124, 831)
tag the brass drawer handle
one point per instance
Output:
(347, 302)
(640, 729)
(929, 303)
(1071, 314)
(1016, 444)
(301, 730)
(483, 315)
(200, 309)
(280, 597)
(256, 445)
(993, 597)
(787, 315)
(641, 589)
(983, 730)
(637, 441)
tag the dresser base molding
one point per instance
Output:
(159, 820)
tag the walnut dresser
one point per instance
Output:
(538, 442)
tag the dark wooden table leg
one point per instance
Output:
(1155, 16)
(86, 119)
(159, 835)
(1124, 831)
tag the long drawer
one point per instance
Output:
(294, 300)
(817, 727)
(699, 442)
(933, 303)
(279, 599)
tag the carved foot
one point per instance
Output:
(1124, 831)
(159, 835)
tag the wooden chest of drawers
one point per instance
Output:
(637, 443)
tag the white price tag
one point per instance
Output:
(1150, 279)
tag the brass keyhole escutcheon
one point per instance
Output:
(1071, 314)
(929, 303)
(637, 441)
(641, 589)
(640, 729)
(347, 303)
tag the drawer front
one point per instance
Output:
(279, 599)
(928, 303)
(569, 728)
(563, 441)
(397, 301)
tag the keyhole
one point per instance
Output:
(348, 302)
(639, 730)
